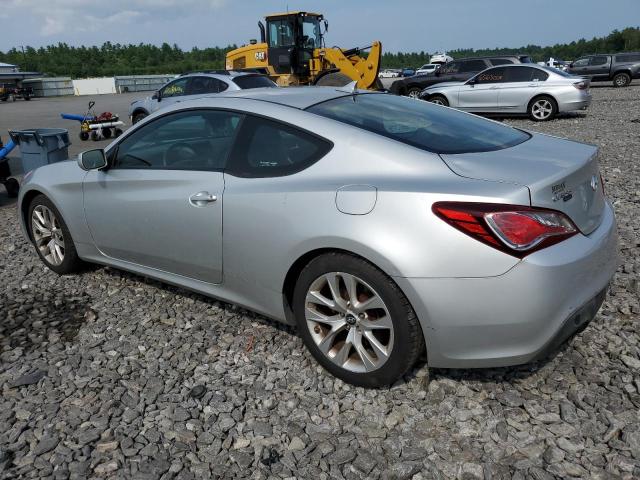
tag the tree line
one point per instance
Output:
(144, 59)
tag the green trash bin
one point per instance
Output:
(41, 146)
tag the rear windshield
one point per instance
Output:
(557, 71)
(420, 124)
(253, 81)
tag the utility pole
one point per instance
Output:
(24, 59)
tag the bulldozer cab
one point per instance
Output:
(291, 40)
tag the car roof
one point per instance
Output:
(222, 73)
(296, 97)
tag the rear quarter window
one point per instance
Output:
(628, 58)
(420, 124)
(253, 81)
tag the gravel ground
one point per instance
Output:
(108, 374)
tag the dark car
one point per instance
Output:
(620, 68)
(459, 70)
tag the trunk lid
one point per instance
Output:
(560, 174)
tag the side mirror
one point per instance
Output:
(92, 159)
(472, 81)
(326, 26)
(157, 96)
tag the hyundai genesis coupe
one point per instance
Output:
(384, 228)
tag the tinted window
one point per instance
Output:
(271, 149)
(599, 60)
(541, 76)
(473, 66)
(525, 59)
(420, 124)
(629, 57)
(253, 81)
(203, 85)
(492, 75)
(501, 61)
(176, 88)
(193, 140)
(449, 68)
(582, 62)
(557, 71)
(519, 74)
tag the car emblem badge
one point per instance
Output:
(594, 183)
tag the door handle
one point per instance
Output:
(202, 198)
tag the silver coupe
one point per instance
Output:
(538, 91)
(383, 227)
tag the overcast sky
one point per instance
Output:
(401, 25)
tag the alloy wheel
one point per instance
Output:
(437, 101)
(542, 109)
(47, 235)
(414, 94)
(349, 322)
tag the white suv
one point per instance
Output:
(197, 84)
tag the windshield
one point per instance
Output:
(420, 124)
(311, 32)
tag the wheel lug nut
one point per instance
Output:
(361, 315)
(316, 329)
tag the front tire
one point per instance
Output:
(542, 108)
(51, 237)
(621, 80)
(355, 321)
(137, 117)
(439, 100)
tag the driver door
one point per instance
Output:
(159, 204)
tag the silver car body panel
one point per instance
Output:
(369, 195)
(511, 97)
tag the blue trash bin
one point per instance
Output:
(41, 146)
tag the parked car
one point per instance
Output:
(540, 92)
(440, 58)
(376, 224)
(389, 73)
(457, 71)
(13, 91)
(195, 85)
(427, 68)
(407, 72)
(620, 68)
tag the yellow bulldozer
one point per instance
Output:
(292, 52)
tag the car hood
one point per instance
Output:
(560, 174)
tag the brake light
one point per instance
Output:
(581, 85)
(514, 229)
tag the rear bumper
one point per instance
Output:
(579, 104)
(521, 315)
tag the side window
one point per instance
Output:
(280, 33)
(581, 62)
(272, 149)
(204, 85)
(473, 66)
(518, 74)
(493, 75)
(176, 88)
(539, 75)
(449, 68)
(194, 140)
(598, 60)
(501, 61)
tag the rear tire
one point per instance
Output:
(414, 92)
(542, 108)
(334, 79)
(621, 80)
(84, 136)
(371, 336)
(439, 100)
(51, 237)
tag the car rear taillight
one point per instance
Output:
(514, 229)
(581, 85)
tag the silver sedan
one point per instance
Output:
(540, 92)
(382, 227)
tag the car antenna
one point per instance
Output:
(351, 88)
